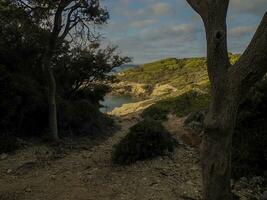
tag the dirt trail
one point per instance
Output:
(88, 174)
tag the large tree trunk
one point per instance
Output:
(229, 84)
(216, 151)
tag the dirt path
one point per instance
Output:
(89, 174)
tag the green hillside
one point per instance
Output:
(180, 73)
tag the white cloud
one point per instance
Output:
(241, 31)
(161, 8)
(255, 7)
(143, 23)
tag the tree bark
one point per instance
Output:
(53, 129)
(216, 149)
(52, 106)
(229, 85)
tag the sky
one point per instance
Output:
(148, 30)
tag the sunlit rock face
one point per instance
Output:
(134, 89)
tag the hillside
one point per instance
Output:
(163, 82)
(179, 73)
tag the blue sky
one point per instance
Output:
(148, 30)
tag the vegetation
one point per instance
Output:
(78, 72)
(250, 138)
(229, 85)
(187, 73)
(147, 139)
(155, 112)
(181, 105)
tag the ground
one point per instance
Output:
(41, 172)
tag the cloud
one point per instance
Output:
(161, 8)
(143, 23)
(255, 7)
(181, 32)
(168, 40)
(241, 31)
(152, 29)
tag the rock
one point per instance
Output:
(194, 117)
(134, 89)
(197, 126)
(25, 168)
(9, 171)
(256, 181)
(3, 156)
(130, 108)
(191, 139)
(28, 190)
(53, 177)
(165, 89)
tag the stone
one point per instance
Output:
(28, 190)
(194, 117)
(3, 156)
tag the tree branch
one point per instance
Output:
(252, 65)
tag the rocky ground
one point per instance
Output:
(40, 172)
(83, 171)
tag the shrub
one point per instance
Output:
(81, 117)
(181, 105)
(250, 137)
(155, 112)
(147, 139)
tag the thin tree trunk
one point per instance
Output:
(52, 134)
(53, 129)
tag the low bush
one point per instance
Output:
(155, 112)
(250, 137)
(181, 105)
(81, 117)
(147, 139)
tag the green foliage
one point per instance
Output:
(146, 140)
(181, 105)
(78, 71)
(184, 73)
(81, 117)
(250, 138)
(155, 112)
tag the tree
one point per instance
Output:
(229, 85)
(70, 20)
(85, 69)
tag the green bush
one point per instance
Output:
(155, 112)
(147, 139)
(250, 137)
(181, 105)
(81, 117)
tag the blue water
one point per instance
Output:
(113, 101)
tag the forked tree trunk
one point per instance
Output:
(229, 85)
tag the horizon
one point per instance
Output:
(151, 30)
